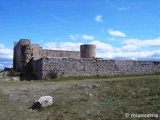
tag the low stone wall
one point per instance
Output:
(94, 67)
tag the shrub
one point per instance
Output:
(52, 74)
(13, 72)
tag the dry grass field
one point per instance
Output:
(87, 99)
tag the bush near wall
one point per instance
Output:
(52, 74)
(13, 73)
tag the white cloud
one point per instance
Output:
(141, 43)
(102, 46)
(129, 47)
(98, 18)
(63, 46)
(88, 37)
(5, 53)
(6, 64)
(85, 37)
(1, 66)
(50, 45)
(130, 50)
(73, 37)
(116, 33)
(136, 44)
(70, 46)
(141, 55)
(6, 57)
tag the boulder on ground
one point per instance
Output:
(42, 102)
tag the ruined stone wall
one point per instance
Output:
(36, 51)
(30, 58)
(16, 56)
(24, 51)
(96, 67)
(22, 54)
(37, 68)
(60, 53)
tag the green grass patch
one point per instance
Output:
(98, 77)
(83, 99)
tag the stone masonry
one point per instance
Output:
(93, 67)
(34, 61)
(24, 51)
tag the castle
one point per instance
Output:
(36, 63)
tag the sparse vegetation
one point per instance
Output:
(13, 73)
(3, 75)
(95, 77)
(52, 74)
(96, 99)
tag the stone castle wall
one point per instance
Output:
(94, 67)
(34, 62)
(60, 53)
(37, 68)
(24, 51)
(36, 51)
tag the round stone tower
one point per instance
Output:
(88, 51)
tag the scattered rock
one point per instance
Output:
(90, 94)
(95, 86)
(87, 86)
(42, 102)
(5, 77)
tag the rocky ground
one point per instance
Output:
(4, 76)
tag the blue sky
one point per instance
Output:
(121, 29)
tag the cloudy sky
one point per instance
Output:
(121, 29)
